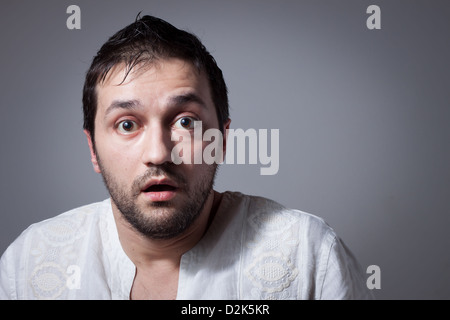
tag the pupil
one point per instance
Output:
(127, 125)
(185, 122)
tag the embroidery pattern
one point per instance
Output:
(271, 272)
(48, 281)
(54, 250)
(272, 240)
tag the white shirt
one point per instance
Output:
(254, 249)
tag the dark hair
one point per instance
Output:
(144, 41)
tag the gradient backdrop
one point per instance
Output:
(363, 117)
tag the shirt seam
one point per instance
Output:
(11, 282)
(333, 243)
(241, 258)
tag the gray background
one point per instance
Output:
(363, 117)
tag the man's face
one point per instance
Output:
(135, 124)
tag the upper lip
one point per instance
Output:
(159, 181)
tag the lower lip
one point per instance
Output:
(160, 195)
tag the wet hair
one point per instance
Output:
(147, 40)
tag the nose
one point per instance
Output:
(156, 146)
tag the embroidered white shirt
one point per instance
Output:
(254, 249)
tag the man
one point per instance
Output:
(165, 233)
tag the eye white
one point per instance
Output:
(185, 123)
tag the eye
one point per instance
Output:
(186, 123)
(127, 126)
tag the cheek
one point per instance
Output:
(198, 152)
(188, 148)
(115, 160)
(116, 157)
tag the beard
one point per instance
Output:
(164, 219)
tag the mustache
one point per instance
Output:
(165, 170)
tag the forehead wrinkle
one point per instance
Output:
(191, 94)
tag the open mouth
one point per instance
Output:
(160, 191)
(160, 188)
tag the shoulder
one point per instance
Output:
(45, 250)
(292, 254)
(264, 215)
(65, 228)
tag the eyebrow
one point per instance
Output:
(122, 104)
(183, 99)
(174, 101)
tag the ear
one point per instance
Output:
(93, 154)
(225, 138)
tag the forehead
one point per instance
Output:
(155, 82)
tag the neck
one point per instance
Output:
(145, 252)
